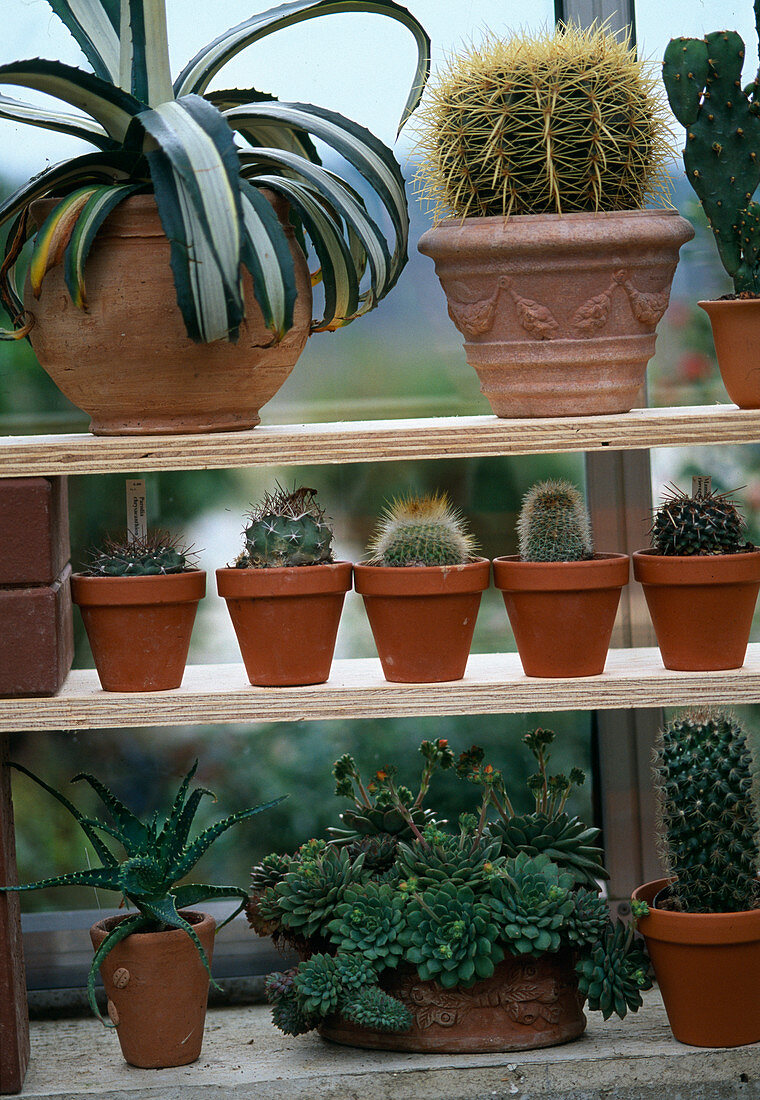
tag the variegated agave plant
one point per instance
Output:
(178, 140)
(157, 858)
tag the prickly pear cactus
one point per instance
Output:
(722, 153)
(554, 524)
(156, 554)
(709, 820)
(287, 529)
(421, 531)
(702, 524)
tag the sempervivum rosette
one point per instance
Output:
(451, 936)
(305, 898)
(564, 839)
(614, 973)
(442, 858)
(531, 901)
(370, 920)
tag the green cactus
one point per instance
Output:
(423, 530)
(286, 528)
(558, 122)
(702, 524)
(709, 820)
(157, 553)
(722, 153)
(554, 524)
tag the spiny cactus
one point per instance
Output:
(708, 815)
(554, 524)
(556, 122)
(701, 524)
(722, 153)
(157, 553)
(424, 530)
(287, 528)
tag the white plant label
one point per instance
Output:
(137, 512)
(701, 486)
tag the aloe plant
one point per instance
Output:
(157, 858)
(177, 139)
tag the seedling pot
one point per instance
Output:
(736, 333)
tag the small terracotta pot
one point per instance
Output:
(286, 619)
(736, 333)
(157, 990)
(558, 311)
(707, 966)
(423, 617)
(701, 607)
(526, 1004)
(139, 627)
(562, 613)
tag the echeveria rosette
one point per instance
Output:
(451, 937)
(305, 898)
(614, 972)
(531, 900)
(369, 921)
(442, 858)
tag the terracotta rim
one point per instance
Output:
(698, 928)
(194, 917)
(652, 568)
(136, 591)
(716, 305)
(294, 580)
(422, 580)
(512, 574)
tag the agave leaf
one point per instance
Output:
(78, 126)
(261, 131)
(94, 24)
(203, 841)
(102, 201)
(267, 257)
(133, 923)
(132, 833)
(54, 235)
(17, 236)
(110, 106)
(144, 68)
(200, 71)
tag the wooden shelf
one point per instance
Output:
(494, 684)
(376, 441)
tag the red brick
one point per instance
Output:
(36, 637)
(34, 529)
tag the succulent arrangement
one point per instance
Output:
(158, 855)
(555, 122)
(177, 140)
(395, 888)
(286, 528)
(702, 77)
(554, 524)
(421, 530)
(708, 814)
(704, 523)
(158, 553)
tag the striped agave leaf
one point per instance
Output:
(144, 69)
(54, 236)
(95, 26)
(101, 202)
(267, 257)
(76, 125)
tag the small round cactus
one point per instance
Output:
(287, 528)
(554, 524)
(157, 553)
(423, 530)
(701, 524)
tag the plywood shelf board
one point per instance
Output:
(493, 684)
(375, 441)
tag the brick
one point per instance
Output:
(36, 637)
(34, 529)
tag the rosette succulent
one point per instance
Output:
(304, 899)
(614, 973)
(440, 858)
(451, 936)
(564, 839)
(369, 920)
(531, 900)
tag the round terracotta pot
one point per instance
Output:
(562, 613)
(423, 617)
(736, 333)
(707, 966)
(286, 619)
(558, 311)
(701, 607)
(526, 1004)
(157, 990)
(128, 361)
(139, 627)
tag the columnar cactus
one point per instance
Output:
(157, 553)
(708, 815)
(287, 528)
(423, 530)
(702, 524)
(722, 154)
(554, 524)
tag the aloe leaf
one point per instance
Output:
(145, 69)
(133, 834)
(102, 201)
(54, 235)
(196, 893)
(133, 923)
(170, 825)
(93, 876)
(76, 125)
(204, 840)
(164, 911)
(200, 71)
(174, 841)
(267, 256)
(110, 106)
(95, 26)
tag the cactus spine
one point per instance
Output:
(702, 524)
(708, 815)
(557, 122)
(124, 557)
(423, 530)
(703, 80)
(287, 528)
(554, 524)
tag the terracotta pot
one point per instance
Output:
(526, 1004)
(562, 613)
(701, 607)
(558, 311)
(707, 966)
(128, 361)
(423, 617)
(736, 333)
(139, 627)
(286, 619)
(157, 990)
